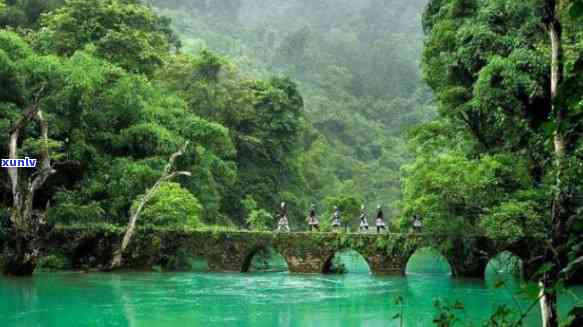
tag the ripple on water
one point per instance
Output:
(256, 299)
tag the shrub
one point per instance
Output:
(53, 262)
(260, 220)
(172, 205)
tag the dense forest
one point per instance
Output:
(504, 156)
(332, 136)
(356, 63)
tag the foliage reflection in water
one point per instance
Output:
(252, 299)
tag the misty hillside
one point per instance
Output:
(357, 63)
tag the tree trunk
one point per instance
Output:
(550, 278)
(167, 175)
(548, 306)
(22, 257)
(25, 230)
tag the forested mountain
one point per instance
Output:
(357, 64)
(336, 138)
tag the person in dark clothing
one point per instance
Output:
(313, 221)
(380, 221)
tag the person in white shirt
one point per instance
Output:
(283, 223)
(336, 218)
(417, 224)
(363, 219)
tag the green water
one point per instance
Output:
(255, 299)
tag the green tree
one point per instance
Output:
(121, 31)
(34, 83)
(504, 75)
(356, 66)
(265, 119)
(25, 13)
(172, 205)
(107, 133)
(261, 220)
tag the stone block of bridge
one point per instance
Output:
(386, 254)
(305, 253)
(309, 262)
(387, 264)
(232, 251)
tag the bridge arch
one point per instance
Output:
(258, 250)
(329, 262)
(507, 261)
(432, 261)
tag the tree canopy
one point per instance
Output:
(120, 100)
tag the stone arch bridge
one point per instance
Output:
(386, 254)
(232, 251)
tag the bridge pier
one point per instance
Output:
(229, 253)
(473, 270)
(310, 262)
(229, 260)
(468, 258)
(387, 264)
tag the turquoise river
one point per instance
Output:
(158, 299)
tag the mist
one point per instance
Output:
(357, 65)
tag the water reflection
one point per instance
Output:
(348, 261)
(264, 260)
(122, 295)
(253, 299)
(428, 261)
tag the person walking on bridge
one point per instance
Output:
(417, 224)
(283, 223)
(363, 227)
(313, 221)
(380, 221)
(336, 218)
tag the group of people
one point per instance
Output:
(314, 222)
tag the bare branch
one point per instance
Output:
(45, 169)
(15, 130)
(166, 176)
(13, 171)
(573, 266)
(29, 113)
(176, 174)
